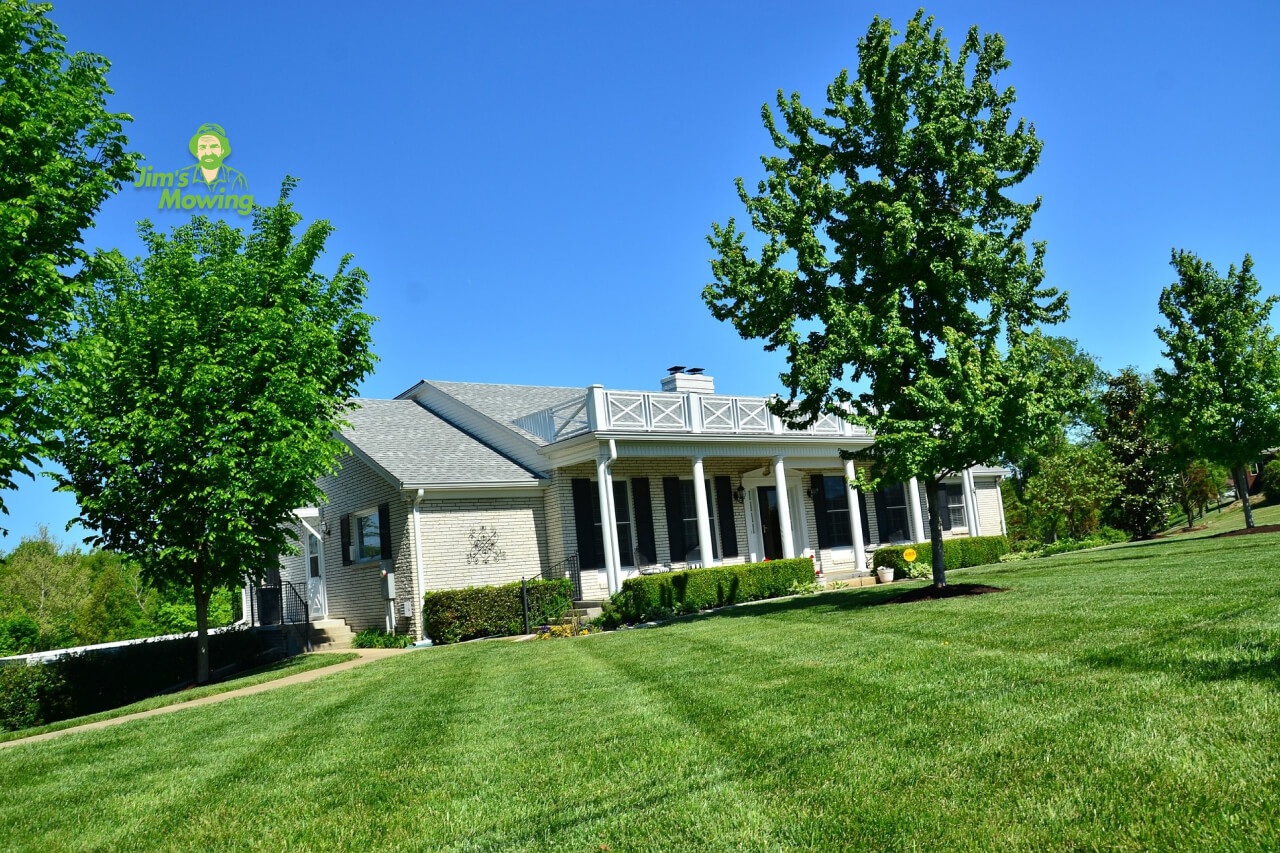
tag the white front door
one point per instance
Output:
(316, 599)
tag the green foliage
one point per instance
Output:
(1067, 496)
(1221, 399)
(1271, 481)
(958, 553)
(372, 638)
(454, 615)
(650, 597)
(77, 599)
(62, 155)
(204, 390)
(19, 635)
(1140, 459)
(32, 696)
(895, 259)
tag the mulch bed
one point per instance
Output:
(1244, 531)
(932, 593)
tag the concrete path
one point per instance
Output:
(365, 656)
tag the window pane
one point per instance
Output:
(622, 510)
(370, 538)
(313, 555)
(689, 512)
(837, 497)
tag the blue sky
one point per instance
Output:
(529, 185)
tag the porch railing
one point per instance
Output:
(279, 602)
(567, 568)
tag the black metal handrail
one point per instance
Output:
(567, 568)
(296, 613)
(279, 603)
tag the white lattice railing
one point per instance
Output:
(645, 411)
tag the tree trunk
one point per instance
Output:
(1190, 510)
(935, 534)
(202, 625)
(1242, 488)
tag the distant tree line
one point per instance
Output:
(52, 598)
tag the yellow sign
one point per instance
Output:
(909, 555)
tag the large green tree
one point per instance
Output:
(894, 269)
(62, 153)
(1221, 394)
(204, 390)
(1141, 459)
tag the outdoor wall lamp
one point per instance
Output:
(740, 494)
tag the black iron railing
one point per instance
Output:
(279, 603)
(567, 568)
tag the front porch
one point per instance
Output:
(673, 505)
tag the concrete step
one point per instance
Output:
(330, 634)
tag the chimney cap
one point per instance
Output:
(693, 371)
(675, 369)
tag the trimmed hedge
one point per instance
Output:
(956, 554)
(454, 615)
(697, 589)
(372, 638)
(99, 680)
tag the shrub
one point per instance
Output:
(31, 696)
(454, 615)
(372, 638)
(956, 554)
(1271, 481)
(652, 596)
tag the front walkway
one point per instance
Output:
(365, 656)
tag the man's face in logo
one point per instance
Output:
(209, 151)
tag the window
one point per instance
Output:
(689, 514)
(891, 507)
(837, 503)
(368, 542)
(622, 510)
(955, 506)
(313, 555)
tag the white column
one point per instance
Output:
(855, 515)
(704, 517)
(913, 510)
(971, 504)
(607, 529)
(784, 509)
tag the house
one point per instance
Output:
(455, 484)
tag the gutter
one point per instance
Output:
(417, 562)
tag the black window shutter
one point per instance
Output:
(882, 517)
(943, 510)
(724, 503)
(644, 521)
(862, 510)
(384, 532)
(583, 495)
(818, 488)
(675, 518)
(345, 526)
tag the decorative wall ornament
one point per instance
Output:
(484, 547)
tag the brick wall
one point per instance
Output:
(454, 545)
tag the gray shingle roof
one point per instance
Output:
(419, 449)
(506, 403)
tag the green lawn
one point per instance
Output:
(1125, 698)
(258, 675)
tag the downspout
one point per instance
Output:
(417, 563)
(616, 580)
